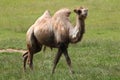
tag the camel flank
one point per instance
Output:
(55, 32)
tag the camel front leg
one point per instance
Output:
(68, 60)
(58, 55)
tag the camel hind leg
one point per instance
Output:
(30, 60)
(25, 56)
(28, 57)
(33, 47)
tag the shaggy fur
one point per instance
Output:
(55, 32)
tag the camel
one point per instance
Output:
(55, 32)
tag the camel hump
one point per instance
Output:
(65, 12)
(46, 15)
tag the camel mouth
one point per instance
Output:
(85, 12)
(84, 15)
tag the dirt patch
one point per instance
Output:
(12, 50)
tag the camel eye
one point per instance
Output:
(79, 11)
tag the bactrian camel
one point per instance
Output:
(55, 32)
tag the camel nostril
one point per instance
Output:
(85, 14)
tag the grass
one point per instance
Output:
(97, 57)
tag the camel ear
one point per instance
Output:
(75, 10)
(79, 11)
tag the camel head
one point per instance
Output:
(81, 12)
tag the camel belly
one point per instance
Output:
(45, 37)
(49, 37)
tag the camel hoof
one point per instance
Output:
(72, 72)
(53, 72)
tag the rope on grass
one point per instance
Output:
(12, 50)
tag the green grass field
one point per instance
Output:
(96, 57)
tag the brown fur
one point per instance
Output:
(55, 32)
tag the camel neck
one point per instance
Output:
(78, 31)
(80, 25)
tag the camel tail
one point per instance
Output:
(25, 54)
